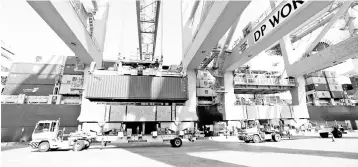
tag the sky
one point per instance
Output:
(28, 35)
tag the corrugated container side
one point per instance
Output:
(317, 87)
(337, 94)
(322, 94)
(30, 90)
(32, 79)
(19, 115)
(333, 81)
(65, 89)
(70, 70)
(69, 78)
(30, 68)
(335, 87)
(204, 92)
(164, 113)
(140, 113)
(169, 88)
(204, 83)
(136, 87)
(330, 74)
(316, 80)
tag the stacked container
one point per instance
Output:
(317, 88)
(71, 66)
(37, 78)
(72, 79)
(335, 87)
(204, 82)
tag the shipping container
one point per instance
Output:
(29, 90)
(54, 59)
(321, 94)
(317, 87)
(140, 113)
(347, 87)
(33, 79)
(315, 74)
(330, 74)
(136, 87)
(71, 60)
(68, 79)
(204, 83)
(204, 92)
(71, 70)
(118, 113)
(333, 81)
(337, 94)
(316, 80)
(29, 114)
(31, 68)
(335, 87)
(66, 89)
(164, 113)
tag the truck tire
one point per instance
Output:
(276, 137)
(177, 142)
(338, 134)
(44, 146)
(78, 145)
(247, 141)
(324, 135)
(87, 144)
(256, 139)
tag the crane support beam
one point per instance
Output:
(329, 25)
(70, 24)
(328, 57)
(285, 18)
(219, 19)
(147, 21)
(139, 29)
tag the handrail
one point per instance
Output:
(264, 81)
(77, 9)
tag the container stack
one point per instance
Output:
(37, 78)
(204, 90)
(72, 79)
(335, 88)
(317, 89)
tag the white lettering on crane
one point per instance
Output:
(277, 18)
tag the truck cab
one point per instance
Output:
(47, 135)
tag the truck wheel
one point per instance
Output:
(177, 142)
(78, 145)
(87, 144)
(324, 135)
(276, 137)
(104, 143)
(44, 146)
(256, 139)
(338, 134)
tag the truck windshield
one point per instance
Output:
(42, 127)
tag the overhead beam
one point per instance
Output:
(138, 9)
(69, 25)
(328, 57)
(156, 27)
(219, 19)
(329, 25)
(270, 31)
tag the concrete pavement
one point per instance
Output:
(310, 151)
